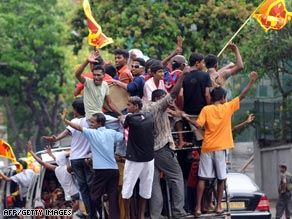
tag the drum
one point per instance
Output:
(119, 97)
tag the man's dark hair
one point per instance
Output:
(175, 65)
(283, 166)
(151, 62)
(23, 164)
(110, 70)
(210, 61)
(98, 67)
(195, 57)
(78, 105)
(155, 67)
(157, 94)
(122, 52)
(100, 118)
(218, 93)
(141, 61)
(135, 100)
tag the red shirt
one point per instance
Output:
(147, 77)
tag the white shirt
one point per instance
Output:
(79, 144)
(149, 87)
(65, 179)
(23, 179)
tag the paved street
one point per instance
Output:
(239, 157)
(273, 208)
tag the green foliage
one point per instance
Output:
(269, 53)
(217, 22)
(153, 26)
(32, 46)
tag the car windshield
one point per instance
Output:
(240, 183)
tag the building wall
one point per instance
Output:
(266, 166)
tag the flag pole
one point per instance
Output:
(247, 20)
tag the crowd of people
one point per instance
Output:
(162, 96)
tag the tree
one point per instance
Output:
(153, 26)
(32, 44)
(271, 57)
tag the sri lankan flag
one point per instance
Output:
(273, 15)
(95, 37)
(6, 151)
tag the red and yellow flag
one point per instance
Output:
(95, 37)
(6, 151)
(273, 15)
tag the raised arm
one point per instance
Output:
(90, 58)
(249, 119)
(78, 73)
(177, 51)
(226, 67)
(73, 125)
(38, 159)
(253, 77)
(50, 153)
(239, 64)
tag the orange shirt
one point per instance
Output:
(125, 75)
(217, 122)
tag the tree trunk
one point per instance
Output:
(19, 145)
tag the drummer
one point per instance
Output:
(135, 88)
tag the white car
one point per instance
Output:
(246, 199)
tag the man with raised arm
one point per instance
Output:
(216, 118)
(164, 157)
(106, 173)
(79, 153)
(96, 91)
(64, 177)
(218, 77)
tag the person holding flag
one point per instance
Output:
(218, 77)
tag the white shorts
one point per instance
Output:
(213, 165)
(134, 171)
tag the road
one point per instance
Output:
(239, 156)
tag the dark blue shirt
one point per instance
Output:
(135, 88)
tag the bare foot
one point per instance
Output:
(219, 210)
(197, 214)
(211, 206)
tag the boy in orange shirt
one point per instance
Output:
(121, 60)
(216, 118)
